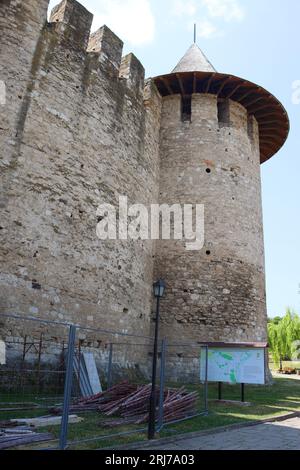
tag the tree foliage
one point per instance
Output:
(282, 335)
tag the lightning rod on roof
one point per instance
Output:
(195, 33)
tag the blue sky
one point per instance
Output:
(254, 39)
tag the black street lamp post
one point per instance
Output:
(158, 288)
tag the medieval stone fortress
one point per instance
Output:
(81, 126)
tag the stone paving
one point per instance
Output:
(283, 435)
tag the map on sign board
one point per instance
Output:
(239, 365)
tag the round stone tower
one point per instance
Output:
(216, 129)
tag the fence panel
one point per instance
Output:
(122, 364)
(33, 376)
(89, 387)
(181, 372)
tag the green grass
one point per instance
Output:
(266, 401)
(14, 400)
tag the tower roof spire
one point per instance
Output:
(194, 60)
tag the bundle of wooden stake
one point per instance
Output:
(121, 390)
(177, 404)
(134, 408)
(131, 404)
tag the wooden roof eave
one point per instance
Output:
(259, 102)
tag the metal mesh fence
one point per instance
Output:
(86, 388)
(182, 366)
(33, 376)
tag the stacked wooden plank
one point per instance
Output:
(86, 373)
(16, 437)
(43, 421)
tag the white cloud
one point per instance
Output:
(209, 15)
(184, 7)
(132, 20)
(228, 10)
(206, 29)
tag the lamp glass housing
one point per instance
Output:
(159, 288)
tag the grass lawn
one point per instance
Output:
(266, 401)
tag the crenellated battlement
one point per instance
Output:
(132, 70)
(76, 21)
(67, 38)
(80, 129)
(107, 45)
(71, 22)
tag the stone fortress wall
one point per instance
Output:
(80, 127)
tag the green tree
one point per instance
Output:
(274, 343)
(276, 320)
(282, 334)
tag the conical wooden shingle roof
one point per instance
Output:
(194, 60)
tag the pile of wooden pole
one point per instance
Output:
(179, 404)
(134, 408)
(91, 403)
(134, 404)
(130, 403)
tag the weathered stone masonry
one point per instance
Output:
(80, 127)
(215, 164)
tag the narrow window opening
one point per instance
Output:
(223, 113)
(251, 127)
(186, 108)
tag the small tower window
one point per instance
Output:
(223, 112)
(251, 127)
(186, 108)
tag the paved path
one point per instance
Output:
(283, 435)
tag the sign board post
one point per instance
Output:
(243, 392)
(220, 390)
